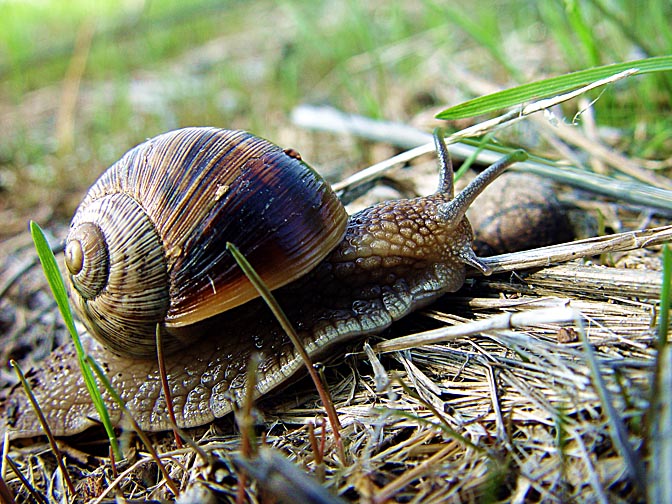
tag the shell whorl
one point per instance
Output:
(166, 210)
(123, 282)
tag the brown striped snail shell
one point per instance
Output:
(147, 247)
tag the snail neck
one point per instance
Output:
(400, 249)
(403, 237)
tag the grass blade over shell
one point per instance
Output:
(59, 292)
(265, 293)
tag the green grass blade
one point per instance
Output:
(664, 320)
(584, 32)
(619, 434)
(286, 325)
(660, 404)
(53, 275)
(57, 286)
(549, 87)
(482, 29)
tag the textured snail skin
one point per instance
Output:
(394, 258)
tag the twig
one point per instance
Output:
(593, 477)
(37, 497)
(141, 434)
(114, 483)
(503, 321)
(380, 377)
(444, 425)
(522, 111)
(165, 385)
(5, 493)
(600, 152)
(248, 446)
(45, 426)
(388, 491)
(318, 448)
(496, 407)
(115, 474)
(578, 278)
(545, 256)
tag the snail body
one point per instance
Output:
(171, 203)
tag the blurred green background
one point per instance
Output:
(82, 81)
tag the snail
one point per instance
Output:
(146, 250)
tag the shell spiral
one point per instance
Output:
(147, 244)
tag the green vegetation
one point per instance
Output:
(55, 280)
(665, 297)
(552, 86)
